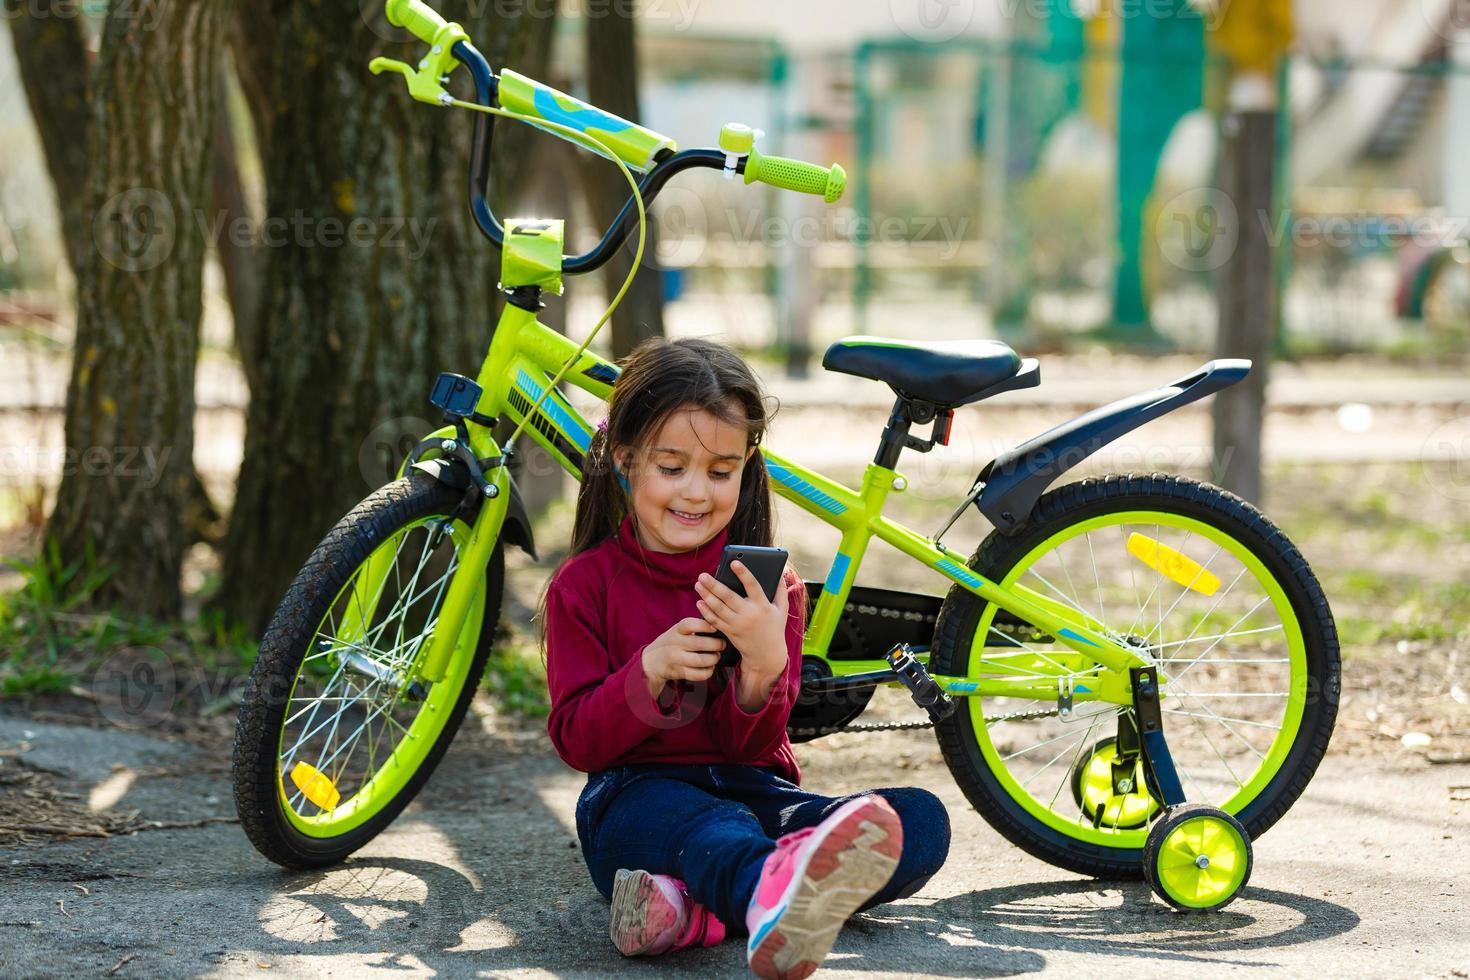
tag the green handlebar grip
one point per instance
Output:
(417, 17)
(796, 175)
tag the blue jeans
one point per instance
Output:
(713, 826)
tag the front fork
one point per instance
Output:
(474, 558)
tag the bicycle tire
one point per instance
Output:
(1073, 506)
(259, 782)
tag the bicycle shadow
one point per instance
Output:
(1113, 919)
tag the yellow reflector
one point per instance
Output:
(315, 785)
(1171, 564)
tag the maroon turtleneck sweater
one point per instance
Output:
(602, 608)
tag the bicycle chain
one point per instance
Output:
(1006, 629)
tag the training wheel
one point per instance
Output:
(1110, 793)
(1197, 858)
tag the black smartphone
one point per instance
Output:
(766, 564)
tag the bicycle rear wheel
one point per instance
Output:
(332, 742)
(1229, 610)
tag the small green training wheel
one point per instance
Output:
(1110, 794)
(1197, 858)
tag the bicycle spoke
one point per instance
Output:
(1187, 590)
(1238, 721)
(1221, 636)
(1191, 665)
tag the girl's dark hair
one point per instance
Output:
(658, 378)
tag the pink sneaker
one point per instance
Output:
(814, 881)
(653, 914)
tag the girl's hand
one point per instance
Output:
(678, 655)
(752, 623)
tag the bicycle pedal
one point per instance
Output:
(925, 691)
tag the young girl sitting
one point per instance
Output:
(692, 821)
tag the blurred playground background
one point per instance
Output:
(1055, 174)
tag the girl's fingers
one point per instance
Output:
(703, 644)
(713, 586)
(713, 602)
(710, 615)
(753, 590)
(699, 659)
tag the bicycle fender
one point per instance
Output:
(1015, 480)
(517, 527)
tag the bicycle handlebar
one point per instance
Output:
(416, 17)
(827, 183)
(639, 148)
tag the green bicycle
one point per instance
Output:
(1095, 616)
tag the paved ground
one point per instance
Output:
(482, 877)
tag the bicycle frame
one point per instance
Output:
(525, 354)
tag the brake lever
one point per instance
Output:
(422, 84)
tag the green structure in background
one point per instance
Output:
(1163, 64)
(1026, 86)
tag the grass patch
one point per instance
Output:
(27, 681)
(50, 640)
(515, 677)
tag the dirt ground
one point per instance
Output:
(482, 876)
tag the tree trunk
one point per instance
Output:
(130, 404)
(612, 85)
(1247, 295)
(237, 255)
(56, 70)
(375, 277)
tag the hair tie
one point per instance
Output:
(602, 426)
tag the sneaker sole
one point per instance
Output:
(853, 861)
(641, 913)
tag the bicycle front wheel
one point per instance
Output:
(1216, 595)
(332, 740)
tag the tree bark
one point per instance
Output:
(1247, 295)
(237, 254)
(56, 70)
(375, 277)
(130, 404)
(612, 85)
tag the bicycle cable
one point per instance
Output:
(576, 136)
